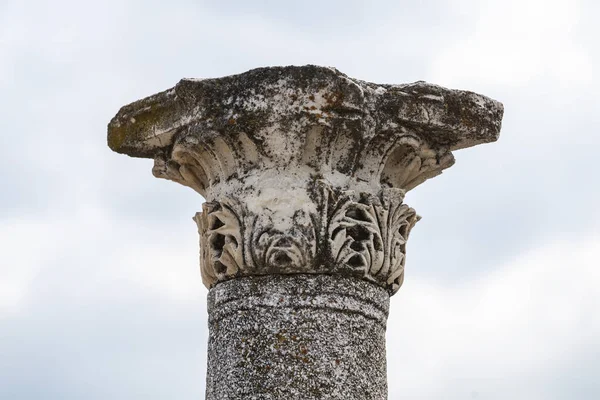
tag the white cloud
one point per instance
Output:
(107, 252)
(25, 248)
(507, 334)
(501, 336)
(68, 67)
(517, 41)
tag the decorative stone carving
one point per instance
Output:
(221, 242)
(304, 230)
(351, 233)
(367, 235)
(304, 169)
(236, 242)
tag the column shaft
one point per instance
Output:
(297, 337)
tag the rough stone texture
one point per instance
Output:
(332, 231)
(303, 234)
(304, 169)
(297, 337)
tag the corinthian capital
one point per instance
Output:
(304, 170)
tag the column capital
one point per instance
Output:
(304, 169)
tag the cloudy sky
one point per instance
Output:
(100, 293)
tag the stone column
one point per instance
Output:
(303, 233)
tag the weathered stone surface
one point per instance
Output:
(297, 337)
(340, 232)
(266, 103)
(303, 234)
(304, 169)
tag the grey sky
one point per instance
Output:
(100, 293)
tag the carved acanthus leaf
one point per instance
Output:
(367, 234)
(256, 144)
(222, 252)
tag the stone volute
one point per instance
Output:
(303, 233)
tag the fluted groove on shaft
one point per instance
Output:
(297, 337)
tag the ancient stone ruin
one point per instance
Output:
(303, 233)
